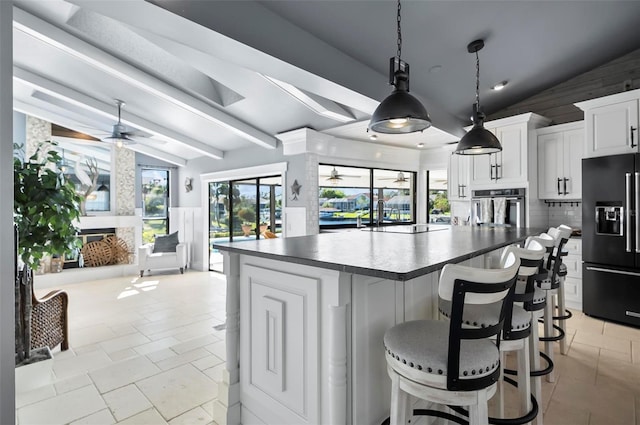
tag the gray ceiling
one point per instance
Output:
(193, 73)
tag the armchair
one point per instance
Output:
(49, 322)
(168, 257)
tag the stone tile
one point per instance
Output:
(35, 395)
(80, 364)
(602, 341)
(103, 417)
(123, 329)
(125, 354)
(63, 408)
(219, 349)
(178, 390)
(561, 413)
(122, 373)
(161, 355)
(150, 347)
(126, 401)
(182, 359)
(207, 362)
(621, 331)
(122, 342)
(90, 335)
(635, 354)
(70, 384)
(194, 343)
(215, 372)
(148, 417)
(192, 417)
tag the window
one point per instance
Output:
(438, 202)
(351, 194)
(155, 203)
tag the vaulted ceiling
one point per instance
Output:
(201, 78)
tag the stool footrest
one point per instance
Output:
(555, 337)
(567, 315)
(535, 373)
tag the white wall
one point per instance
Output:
(7, 250)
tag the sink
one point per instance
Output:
(411, 229)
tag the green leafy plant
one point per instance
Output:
(46, 210)
(248, 215)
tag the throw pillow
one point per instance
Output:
(166, 243)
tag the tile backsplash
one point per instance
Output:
(569, 214)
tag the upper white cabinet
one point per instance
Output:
(511, 167)
(560, 153)
(611, 124)
(458, 179)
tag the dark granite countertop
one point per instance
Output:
(385, 254)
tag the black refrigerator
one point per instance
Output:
(611, 238)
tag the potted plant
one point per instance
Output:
(45, 212)
(248, 217)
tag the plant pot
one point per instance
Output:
(246, 229)
(37, 373)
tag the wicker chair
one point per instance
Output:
(49, 322)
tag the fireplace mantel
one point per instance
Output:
(115, 221)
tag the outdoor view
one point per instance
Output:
(346, 195)
(155, 203)
(243, 210)
(439, 208)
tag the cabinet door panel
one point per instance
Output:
(453, 181)
(608, 131)
(481, 169)
(572, 158)
(513, 153)
(549, 165)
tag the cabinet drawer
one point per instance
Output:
(574, 265)
(574, 246)
(572, 290)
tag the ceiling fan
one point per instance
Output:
(335, 176)
(400, 178)
(119, 135)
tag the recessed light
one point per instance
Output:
(499, 86)
(373, 136)
(420, 145)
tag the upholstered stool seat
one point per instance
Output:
(422, 346)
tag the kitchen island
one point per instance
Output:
(306, 316)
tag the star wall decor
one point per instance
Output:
(295, 190)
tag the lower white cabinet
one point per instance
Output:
(573, 281)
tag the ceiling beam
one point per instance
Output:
(130, 74)
(50, 116)
(80, 99)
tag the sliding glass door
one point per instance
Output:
(243, 210)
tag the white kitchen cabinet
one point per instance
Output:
(560, 153)
(510, 167)
(458, 178)
(573, 280)
(611, 124)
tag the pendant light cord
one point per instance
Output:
(477, 81)
(399, 35)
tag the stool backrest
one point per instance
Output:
(464, 285)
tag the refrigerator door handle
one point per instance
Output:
(601, 269)
(628, 210)
(637, 212)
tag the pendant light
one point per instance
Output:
(479, 140)
(400, 112)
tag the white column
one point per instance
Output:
(338, 365)
(7, 336)
(226, 409)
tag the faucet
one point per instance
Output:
(380, 217)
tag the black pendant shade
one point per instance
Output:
(400, 112)
(478, 140)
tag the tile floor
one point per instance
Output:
(145, 351)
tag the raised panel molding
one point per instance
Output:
(279, 336)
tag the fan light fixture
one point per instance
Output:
(400, 112)
(119, 134)
(334, 178)
(479, 140)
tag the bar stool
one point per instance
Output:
(550, 285)
(561, 234)
(449, 362)
(516, 329)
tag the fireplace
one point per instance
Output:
(72, 261)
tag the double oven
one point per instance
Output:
(499, 207)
